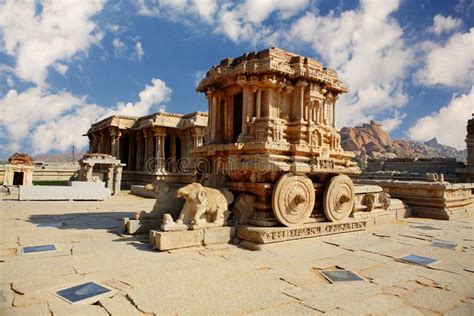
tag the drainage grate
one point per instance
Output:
(41, 248)
(82, 292)
(340, 275)
(445, 245)
(420, 260)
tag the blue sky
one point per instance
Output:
(66, 64)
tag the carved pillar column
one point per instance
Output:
(173, 152)
(117, 144)
(146, 157)
(258, 105)
(160, 134)
(89, 171)
(212, 115)
(110, 177)
(301, 85)
(334, 112)
(139, 138)
(117, 179)
(113, 142)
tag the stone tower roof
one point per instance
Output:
(273, 61)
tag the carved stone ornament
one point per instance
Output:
(293, 199)
(339, 198)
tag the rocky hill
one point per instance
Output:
(372, 141)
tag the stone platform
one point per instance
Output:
(437, 200)
(264, 235)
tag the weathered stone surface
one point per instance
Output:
(178, 239)
(219, 235)
(119, 305)
(265, 235)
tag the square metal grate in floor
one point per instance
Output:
(340, 275)
(34, 249)
(82, 292)
(445, 245)
(420, 260)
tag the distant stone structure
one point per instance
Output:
(105, 165)
(19, 170)
(467, 173)
(151, 146)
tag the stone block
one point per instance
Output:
(141, 226)
(178, 239)
(77, 190)
(151, 237)
(139, 190)
(219, 235)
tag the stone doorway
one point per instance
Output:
(18, 178)
(237, 116)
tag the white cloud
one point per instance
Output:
(443, 24)
(39, 39)
(448, 124)
(139, 50)
(119, 47)
(391, 123)
(449, 65)
(64, 117)
(173, 9)
(61, 68)
(366, 48)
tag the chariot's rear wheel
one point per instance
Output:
(339, 198)
(293, 199)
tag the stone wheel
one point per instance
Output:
(339, 198)
(293, 199)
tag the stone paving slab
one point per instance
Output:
(281, 279)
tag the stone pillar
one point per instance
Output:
(146, 156)
(117, 144)
(113, 142)
(110, 177)
(258, 105)
(89, 171)
(301, 85)
(173, 152)
(334, 112)
(245, 100)
(117, 179)
(139, 138)
(160, 134)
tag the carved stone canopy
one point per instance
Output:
(20, 159)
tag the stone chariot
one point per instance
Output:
(272, 133)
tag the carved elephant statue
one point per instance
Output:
(166, 201)
(204, 205)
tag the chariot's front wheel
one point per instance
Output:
(339, 198)
(293, 199)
